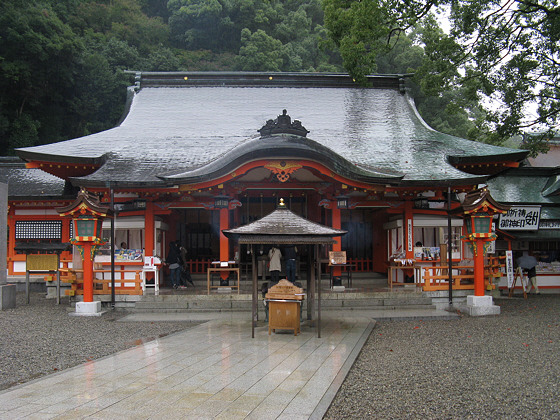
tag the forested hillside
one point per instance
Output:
(62, 61)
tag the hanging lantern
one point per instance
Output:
(342, 202)
(221, 202)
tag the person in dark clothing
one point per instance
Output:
(290, 254)
(185, 269)
(173, 260)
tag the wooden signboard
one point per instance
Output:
(337, 257)
(42, 262)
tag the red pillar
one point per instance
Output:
(336, 224)
(149, 242)
(479, 268)
(224, 242)
(11, 239)
(88, 272)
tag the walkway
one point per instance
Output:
(212, 371)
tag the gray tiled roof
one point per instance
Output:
(176, 130)
(29, 183)
(283, 226)
(525, 186)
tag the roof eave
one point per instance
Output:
(506, 157)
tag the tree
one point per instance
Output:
(37, 66)
(504, 52)
(259, 52)
(195, 24)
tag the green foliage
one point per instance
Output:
(196, 24)
(259, 52)
(37, 63)
(503, 54)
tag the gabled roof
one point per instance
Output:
(85, 203)
(480, 200)
(184, 127)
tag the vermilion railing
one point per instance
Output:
(361, 264)
(123, 286)
(437, 277)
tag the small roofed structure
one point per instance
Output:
(282, 226)
(86, 203)
(480, 199)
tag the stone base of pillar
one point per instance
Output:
(7, 296)
(480, 306)
(88, 309)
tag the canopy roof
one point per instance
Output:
(191, 127)
(480, 200)
(282, 226)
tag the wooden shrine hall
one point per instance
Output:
(199, 153)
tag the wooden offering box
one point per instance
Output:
(285, 290)
(284, 307)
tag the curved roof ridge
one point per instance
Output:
(280, 146)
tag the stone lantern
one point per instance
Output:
(87, 214)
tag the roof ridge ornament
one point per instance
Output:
(283, 125)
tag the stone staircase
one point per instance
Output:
(384, 300)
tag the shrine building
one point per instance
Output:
(198, 153)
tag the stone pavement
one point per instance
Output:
(212, 371)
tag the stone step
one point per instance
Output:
(230, 303)
(387, 309)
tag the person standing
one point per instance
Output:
(262, 264)
(290, 254)
(528, 264)
(173, 261)
(185, 269)
(274, 255)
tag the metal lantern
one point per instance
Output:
(87, 227)
(140, 204)
(342, 202)
(221, 202)
(479, 224)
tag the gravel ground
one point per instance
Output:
(499, 367)
(41, 338)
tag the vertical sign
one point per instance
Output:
(409, 226)
(509, 268)
(492, 244)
